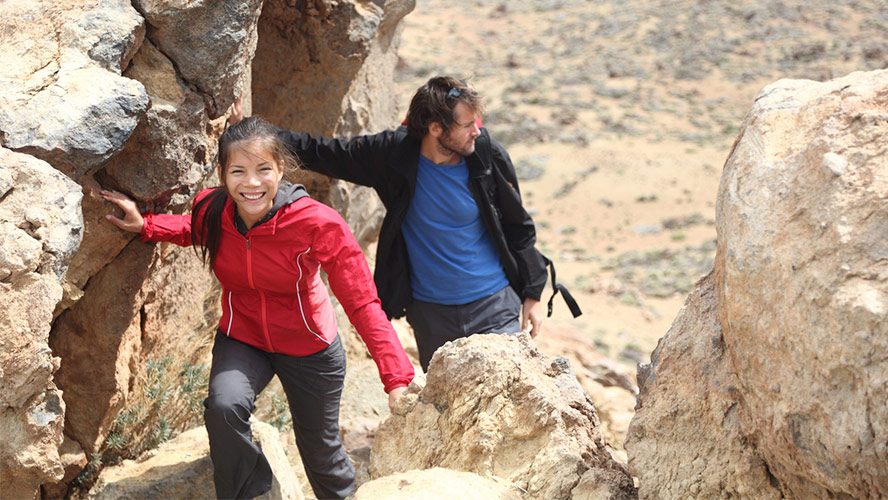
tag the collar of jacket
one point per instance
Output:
(286, 194)
(479, 161)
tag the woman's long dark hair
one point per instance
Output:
(207, 213)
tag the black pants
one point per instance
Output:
(313, 385)
(436, 324)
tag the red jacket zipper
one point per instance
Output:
(264, 312)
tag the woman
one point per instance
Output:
(265, 240)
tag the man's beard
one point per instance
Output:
(445, 143)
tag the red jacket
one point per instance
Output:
(273, 297)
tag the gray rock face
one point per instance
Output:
(58, 103)
(173, 147)
(211, 43)
(38, 242)
(800, 295)
(494, 406)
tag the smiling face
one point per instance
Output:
(251, 179)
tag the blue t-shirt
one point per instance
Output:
(452, 258)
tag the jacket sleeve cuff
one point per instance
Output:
(395, 386)
(148, 227)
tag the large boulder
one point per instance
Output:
(182, 469)
(493, 405)
(153, 301)
(39, 240)
(63, 98)
(796, 370)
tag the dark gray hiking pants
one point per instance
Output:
(436, 324)
(313, 385)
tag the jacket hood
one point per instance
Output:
(287, 193)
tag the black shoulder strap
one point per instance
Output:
(483, 149)
(558, 287)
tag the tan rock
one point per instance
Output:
(805, 248)
(153, 301)
(73, 460)
(329, 74)
(686, 438)
(493, 405)
(611, 386)
(38, 242)
(436, 484)
(615, 407)
(182, 469)
(99, 339)
(772, 382)
(29, 453)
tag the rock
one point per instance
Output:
(182, 469)
(153, 301)
(494, 406)
(102, 242)
(178, 121)
(362, 210)
(63, 99)
(210, 43)
(329, 74)
(616, 407)
(607, 373)
(436, 484)
(686, 438)
(108, 32)
(73, 460)
(777, 367)
(806, 250)
(32, 434)
(38, 242)
(609, 386)
(99, 340)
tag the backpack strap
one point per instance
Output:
(558, 287)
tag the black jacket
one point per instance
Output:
(388, 162)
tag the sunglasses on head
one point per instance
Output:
(454, 92)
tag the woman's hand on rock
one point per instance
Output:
(132, 220)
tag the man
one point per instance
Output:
(456, 249)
